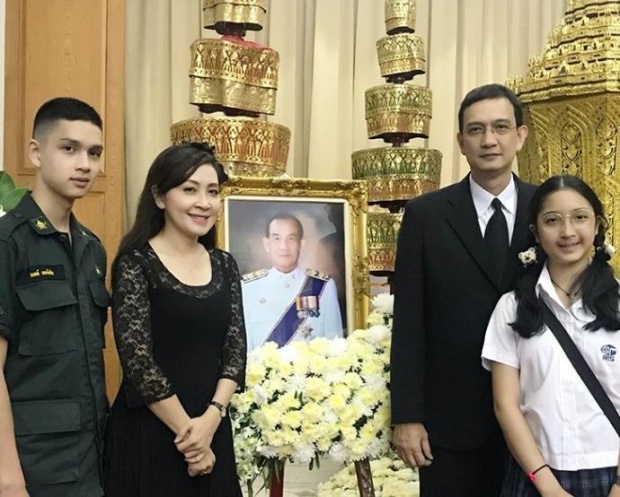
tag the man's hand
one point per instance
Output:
(412, 445)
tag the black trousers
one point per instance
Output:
(465, 473)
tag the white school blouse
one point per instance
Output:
(571, 430)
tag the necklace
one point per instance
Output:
(571, 296)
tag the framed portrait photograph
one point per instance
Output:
(301, 249)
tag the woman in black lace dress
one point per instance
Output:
(178, 323)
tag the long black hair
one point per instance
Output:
(170, 168)
(599, 288)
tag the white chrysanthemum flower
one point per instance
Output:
(304, 453)
(378, 333)
(383, 303)
(2, 211)
(338, 452)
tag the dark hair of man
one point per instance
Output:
(487, 92)
(63, 108)
(286, 217)
(599, 288)
(171, 168)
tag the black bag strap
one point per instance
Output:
(581, 366)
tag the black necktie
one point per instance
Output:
(496, 239)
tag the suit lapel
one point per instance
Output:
(519, 235)
(461, 215)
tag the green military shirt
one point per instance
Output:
(53, 307)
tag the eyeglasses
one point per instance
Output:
(578, 219)
(498, 128)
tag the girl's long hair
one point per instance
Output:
(599, 288)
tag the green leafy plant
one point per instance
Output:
(10, 194)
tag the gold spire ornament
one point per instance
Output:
(231, 75)
(571, 96)
(239, 78)
(382, 233)
(397, 173)
(396, 112)
(399, 16)
(401, 57)
(233, 16)
(246, 147)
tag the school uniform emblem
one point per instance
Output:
(609, 353)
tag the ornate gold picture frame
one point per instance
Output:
(332, 215)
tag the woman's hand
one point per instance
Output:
(202, 467)
(194, 439)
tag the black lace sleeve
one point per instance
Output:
(234, 351)
(131, 316)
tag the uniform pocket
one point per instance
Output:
(50, 318)
(101, 299)
(47, 434)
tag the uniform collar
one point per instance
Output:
(39, 223)
(292, 275)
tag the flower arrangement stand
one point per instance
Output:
(276, 484)
(364, 478)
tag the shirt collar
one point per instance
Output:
(546, 288)
(482, 198)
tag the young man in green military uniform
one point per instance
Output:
(53, 306)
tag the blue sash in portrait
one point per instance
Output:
(305, 305)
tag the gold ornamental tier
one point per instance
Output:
(398, 112)
(400, 16)
(220, 14)
(381, 234)
(401, 55)
(397, 173)
(246, 147)
(226, 75)
(582, 55)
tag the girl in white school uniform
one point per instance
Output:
(561, 441)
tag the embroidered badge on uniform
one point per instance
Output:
(41, 224)
(609, 353)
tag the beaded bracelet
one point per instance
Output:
(532, 475)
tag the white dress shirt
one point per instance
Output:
(482, 202)
(570, 428)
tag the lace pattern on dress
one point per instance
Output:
(140, 271)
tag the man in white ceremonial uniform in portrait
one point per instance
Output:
(287, 303)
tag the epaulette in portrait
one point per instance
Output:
(255, 275)
(318, 274)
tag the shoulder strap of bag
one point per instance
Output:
(581, 366)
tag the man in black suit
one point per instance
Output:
(457, 254)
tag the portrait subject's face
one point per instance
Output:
(283, 245)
